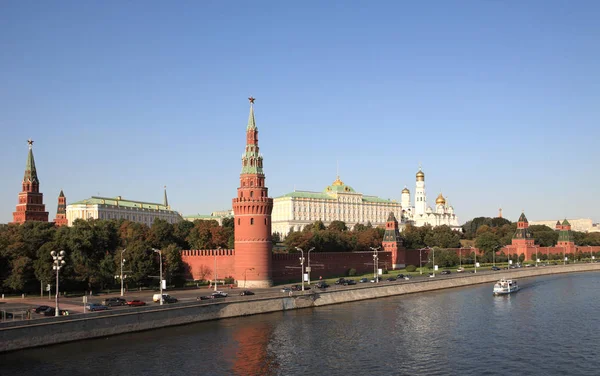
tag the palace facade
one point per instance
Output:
(337, 202)
(118, 208)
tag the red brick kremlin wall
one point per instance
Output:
(196, 260)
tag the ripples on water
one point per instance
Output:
(550, 327)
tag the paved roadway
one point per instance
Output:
(74, 305)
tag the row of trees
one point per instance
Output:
(94, 250)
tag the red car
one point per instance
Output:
(136, 303)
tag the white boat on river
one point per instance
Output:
(505, 286)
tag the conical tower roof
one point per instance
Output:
(61, 194)
(391, 217)
(30, 171)
(522, 218)
(566, 223)
(165, 199)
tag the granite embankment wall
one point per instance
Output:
(24, 334)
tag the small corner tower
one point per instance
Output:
(392, 242)
(31, 202)
(252, 215)
(565, 237)
(522, 237)
(61, 211)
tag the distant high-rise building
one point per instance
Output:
(31, 202)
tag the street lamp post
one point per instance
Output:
(160, 275)
(245, 270)
(591, 254)
(375, 263)
(122, 262)
(301, 266)
(475, 258)
(421, 260)
(58, 262)
(564, 255)
(494, 254)
(433, 260)
(537, 247)
(308, 270)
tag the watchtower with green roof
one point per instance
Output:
(565, 235)
(31, 202)
(522, 236)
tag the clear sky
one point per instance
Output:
(499, 100)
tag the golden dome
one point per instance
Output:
(337, 182)
(405, 190)
(440, 200)
(420, 175)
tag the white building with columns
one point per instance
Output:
(419, 214)
(337, 202)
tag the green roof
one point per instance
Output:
(376, 199)
(522, 218)
(30, 170)
(566, 223)
(118, 201)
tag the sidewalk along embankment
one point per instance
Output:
(33, 333)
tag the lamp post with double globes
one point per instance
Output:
(301, 266)
(421, 259)
(160, 276)
(308, 268)
(375, 263)
(122, 262)
(58, 262)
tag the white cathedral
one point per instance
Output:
(420, 214)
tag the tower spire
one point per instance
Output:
(165, 200)
(251, 121)
(30, 170)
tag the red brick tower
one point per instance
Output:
(252, 214)
(522, 237)
(392, 242)
(61, 210)
(31, 202)
(565, 237)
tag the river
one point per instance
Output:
(550, 327)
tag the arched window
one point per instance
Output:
(251, 193)
(265, 221)
(238, 221)
(252, 183)
(251, 221)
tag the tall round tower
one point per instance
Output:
(420, 197)
(252, 215)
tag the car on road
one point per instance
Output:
(246, 292)
(363, 280)
(460, 270)
(495, 268)
(390, 279)
(321, 285)
(51, 311)
(286, 289)
(400, 276)
(299, 288)
(407, 277)
(340, 281)
(431, 275)
(350, 282)
(373, 280)
(445, 272)
(166, 298)
(219, 294)
(204, 297)
(111, 302)
(6, 315)
(93, 307)
(40, 309)
(136, 303)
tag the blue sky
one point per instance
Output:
(499, 100)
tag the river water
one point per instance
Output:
(550, 327)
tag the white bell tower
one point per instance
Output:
(420, 197)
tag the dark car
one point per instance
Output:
(51, 311)
(219, 294)
(6, 315)
(363, 280)
(205, 297)
(495, 268)
(390, 279)
(246, 292)
(340, 281)
(321, 285)
(136, 303)
(40, 309)
(299, 288)
(446, 272)
(111, 302)
(400, 276)
(350, 282)
(93, 307)
(169, 299)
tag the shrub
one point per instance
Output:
(385, 271)
(351, 272)
(229, 280)
(411, 268)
